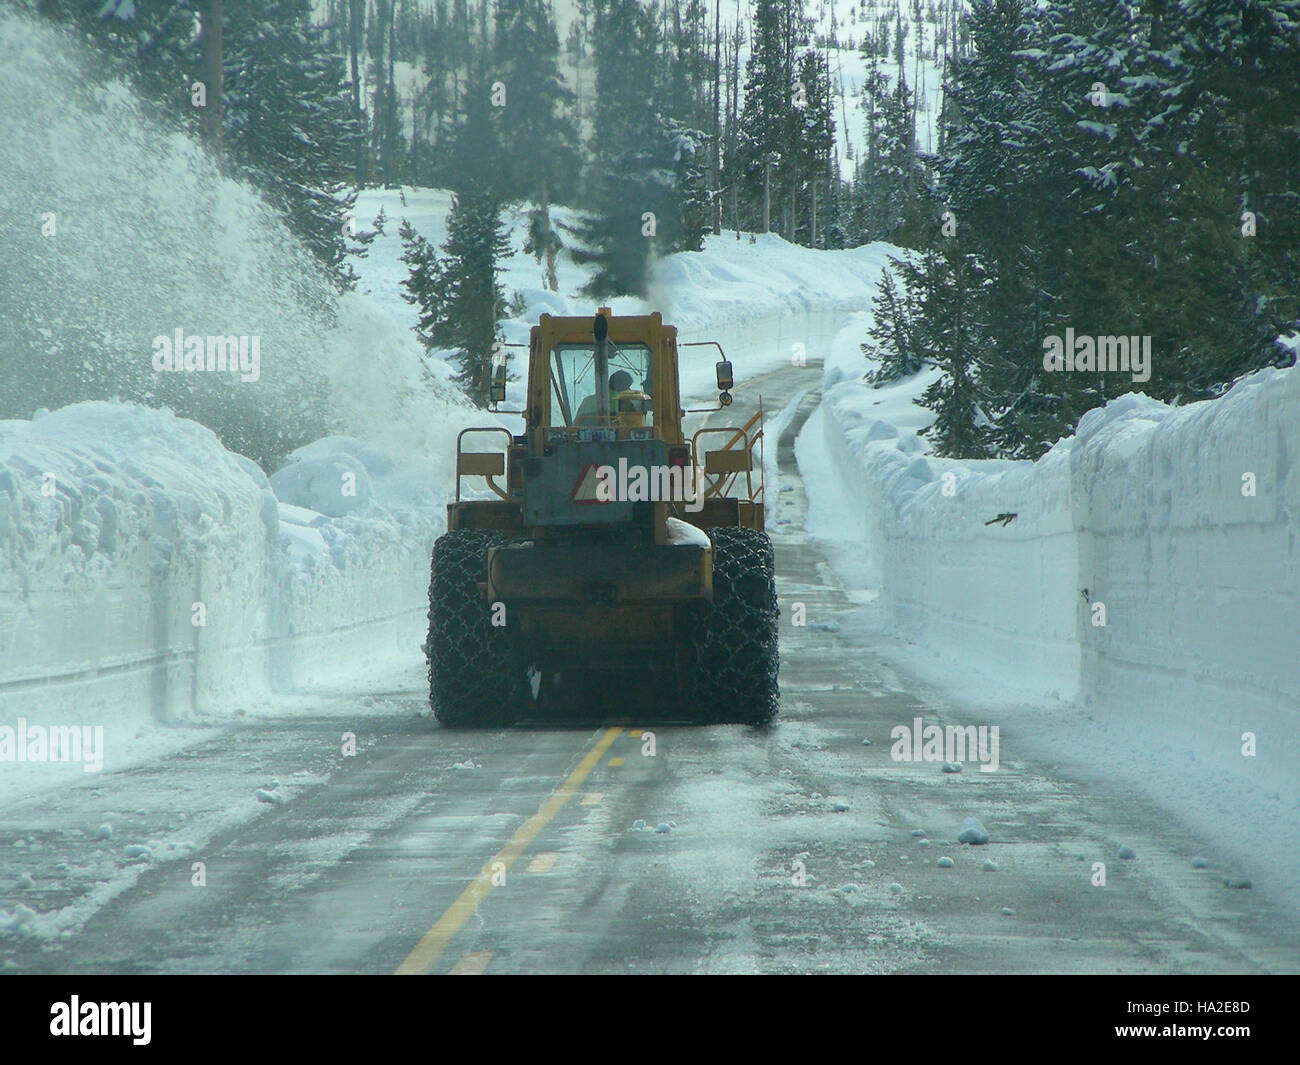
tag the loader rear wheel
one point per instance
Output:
(473, 682)
(733, 675)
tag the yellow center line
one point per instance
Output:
(435, 940)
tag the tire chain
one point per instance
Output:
(471, 682)
(736, 652)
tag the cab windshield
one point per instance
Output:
(573, 382)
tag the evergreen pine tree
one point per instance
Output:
(152, 44)
(814, 146)
(952, 301)
(891, 177)
(646, 177)
(288, 122)
(458, 291)
(538, 141)
(765, 128)
(425, 285)
(1007, 207)
(892, 340)
(689, 217)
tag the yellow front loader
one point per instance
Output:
(616, 565)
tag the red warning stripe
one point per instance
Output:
(585, 487)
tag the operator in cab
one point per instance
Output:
(619, 381)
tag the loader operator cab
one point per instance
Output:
(573, 375)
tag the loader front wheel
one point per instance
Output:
(473, 682)
(733, 677)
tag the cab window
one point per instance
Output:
(573, 382)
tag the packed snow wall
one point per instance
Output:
(148, 573)
(1187, 527)
(1151, 558)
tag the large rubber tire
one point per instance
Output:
(473, 679)
(733, 677)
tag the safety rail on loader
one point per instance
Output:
(735, 457)
(486, 464)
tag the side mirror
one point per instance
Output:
(497, 389)
(725, 381)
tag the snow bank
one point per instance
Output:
(147, 574)
(1178, 523)
(1187, 525)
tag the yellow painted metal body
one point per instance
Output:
(579, 594)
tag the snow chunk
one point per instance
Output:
(684, 534)
(1101, 129)
(330, 484)
(21, 922)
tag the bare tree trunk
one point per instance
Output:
(390, 135)
(356, 25)
(717, 117)
(733, 103)
(767, 196)
(210, 54)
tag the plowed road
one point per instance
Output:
(788, 849)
